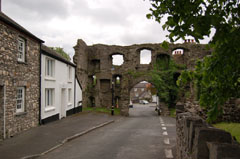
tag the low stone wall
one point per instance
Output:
(198, 140)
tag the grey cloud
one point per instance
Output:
(37, 9)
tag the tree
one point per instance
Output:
(218, 74)
(60, 51)
(163, 79)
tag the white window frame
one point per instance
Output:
(20, 101)
(21, 49)
(50, 67)
(49, 97)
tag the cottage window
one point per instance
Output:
(49, 97)
(20, 99)
(50, 65)
(136, 95)
(142, 89)
(21, 49)
(135, 89)
(69, 95)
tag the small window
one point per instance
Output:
(117, 60)
(94, 78)
(69, 95)
(69, 73)
(135, 89)
(145, 56)
(20, 99)
(142, 89)
(136, 95)
(118, 80)
(21, 49)
(50, 66)
(49, 97)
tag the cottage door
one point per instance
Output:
(63, 103)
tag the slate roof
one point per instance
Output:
(50, 52)
(15, 25)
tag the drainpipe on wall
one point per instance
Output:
(40, 85)
(4, 110)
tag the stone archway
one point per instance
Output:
(94, 61)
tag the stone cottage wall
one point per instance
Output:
(14, 74)
(198, 140)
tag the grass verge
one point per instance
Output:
(101, 110)
(233, 128)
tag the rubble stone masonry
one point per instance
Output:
(96, 61)
(15, 74)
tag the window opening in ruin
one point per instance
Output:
(117, 60)
(117, 101)
(118, 80)
(94, 78)
(175, 76)
(145, 56)
(96, 65)
(162, 61)
(92, 101)
(177, 52)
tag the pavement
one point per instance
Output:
(45, 138)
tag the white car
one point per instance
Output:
(143, 102)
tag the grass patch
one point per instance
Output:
(233, 128)
(101, 110)
(172, 112)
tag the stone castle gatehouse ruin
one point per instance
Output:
(101, 80)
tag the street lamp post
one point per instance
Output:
(112, 108)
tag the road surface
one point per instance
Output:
(142, 135)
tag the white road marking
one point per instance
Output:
(164, 128)
(168, 153)
(165, 133)
(166, 141)
(161, 121)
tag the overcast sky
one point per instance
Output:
(62, 22)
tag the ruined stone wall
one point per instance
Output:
(96, 61)
(231, 110)
(198, 140)
(15, 74)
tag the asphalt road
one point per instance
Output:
(142, 135)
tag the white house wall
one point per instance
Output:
(59, 82)
(78, 94)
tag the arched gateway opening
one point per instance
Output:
(143, 99)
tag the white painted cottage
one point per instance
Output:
(61, 93)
